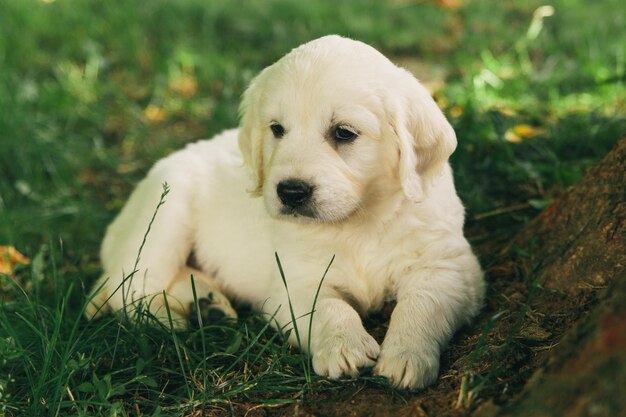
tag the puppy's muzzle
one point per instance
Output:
(294, 193)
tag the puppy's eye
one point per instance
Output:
(278, 130)
(343, 134)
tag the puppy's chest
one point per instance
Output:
(363, 274)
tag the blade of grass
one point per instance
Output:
(166, 190)
(291, 311)
(202, 336)
(129, 278)
(305, 358)
(317, 293)
(176, 344)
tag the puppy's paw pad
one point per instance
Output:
(407, 369)
(214, 307)
(343, 354)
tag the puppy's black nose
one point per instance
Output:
(294, 193)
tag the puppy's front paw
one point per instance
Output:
(214, 307)
(344, 352)
(407, 367)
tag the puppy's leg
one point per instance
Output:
(131, 277)
(431, 304)
(98, 296)
(339, 343)
(212, 304)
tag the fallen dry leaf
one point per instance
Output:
(450, 4)
(456, 111)
(9, 257)
(185, 85)
(522, 131)
(154, 114)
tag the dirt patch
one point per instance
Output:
(490, 361)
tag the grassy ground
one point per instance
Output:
(92, 93)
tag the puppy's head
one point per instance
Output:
(334, 128)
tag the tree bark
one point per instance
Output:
(576, 246)
(578, 241)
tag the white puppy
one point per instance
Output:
(340, 153)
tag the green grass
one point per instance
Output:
(92, 93)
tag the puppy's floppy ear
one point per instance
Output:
(424, 136)
(251, 136)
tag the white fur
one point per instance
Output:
(384, 205)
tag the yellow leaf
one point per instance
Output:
(507, 112)
(9, 257)
(522, 131)
(185, 86)
(527, 131)
(154, 114)
(510, 136)
(456, 111)
(450, 4)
